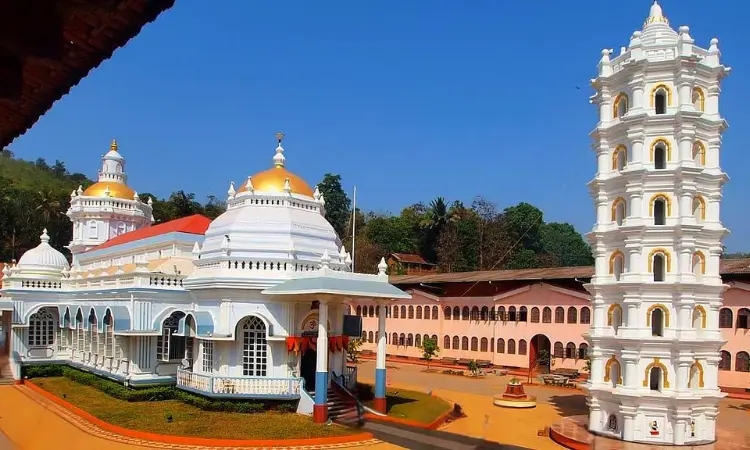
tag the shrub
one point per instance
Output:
(42, 371)
(453, 372)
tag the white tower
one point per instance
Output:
(656, 291)
(107, 208)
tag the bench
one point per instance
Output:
(483, 363)
(464, 362)
(570, 373)
(448, 360)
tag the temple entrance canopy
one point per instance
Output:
(331, 288)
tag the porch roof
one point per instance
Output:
(338, 283)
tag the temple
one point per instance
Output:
(254, 304)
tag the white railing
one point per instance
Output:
(251, 387)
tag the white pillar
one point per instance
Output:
(320, 410)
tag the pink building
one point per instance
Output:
(506, 317)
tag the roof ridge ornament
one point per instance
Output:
(249, 185)
(325, 260)
(655, 15)
(278, 158)
(113, 145)
(44, 237)
(382, 266)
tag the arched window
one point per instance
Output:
(585, 315)
(456, 313)
(403, 312)
(655, 378)
(570, 350)
(616, 264)
(743, 319)
(435, 313)
(41, 329)
(492, 346)
(659, 263)
(428, 313)
(447, 313)
(559, 350)
(474, 344)
(522, 346)
(109, 336)
(559, 315)
(377, 311)
(661, 97)
(699, 208)
(699, 154)
(535, 315)
(512, 316)
(657, 318)
(465, 313)
(612, 372)
(661, 152)
(583, 350)
(572, 315)
(419, 312)
(475, 313)
(501, 315)
(359, 311)
(370, 337)
(411, 312)
(484, 314)
(523, 314)
(93, 335)
(699, 317)
(464, 343)
(446, 342)
(394, 339)
(614, 317)
(725, 318)
(501, 345)
(410, 340)
(483, 344)
(455, 343)
(402, 339)
(93, 232)
(511, 347)
(618, 210)
(699, 99)
(371, 311)
(695, 377)
(620, 106)
(547, 315)
(418, 341)
(660, 208)
(726, 361)
(254, 347)
(619, 158)
(699, 264)
(168, 346)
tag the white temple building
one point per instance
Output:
(656, 292)
(251, 305)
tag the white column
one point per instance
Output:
(380, 372)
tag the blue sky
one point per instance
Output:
(407, 100)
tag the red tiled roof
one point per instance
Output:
(195, 224)
(735, 266)
(409, 258)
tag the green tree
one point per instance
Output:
(338, 205)
(353, 350)
(214, 208)
(184, 204)
(430, 350)
(566, 244)
(391, 233)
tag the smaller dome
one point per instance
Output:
(43, 256)
(111, 189)
(273, 180)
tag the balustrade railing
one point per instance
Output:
(259, 387)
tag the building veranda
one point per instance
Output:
(252, 305)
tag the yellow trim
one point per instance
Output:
(663, 308)
(616, 153)
(615, 204)
(702, 96)
(664, 373)
(614, 255)
(698, 366)
(667, 144)
(700, 309)
(702, 257)
(702, 151)
(655, 197)
(702, 205)
(664, 252)
(620, 97)
(608, 367)
(611, 313)
(656, 88)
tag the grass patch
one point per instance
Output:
(176, 418)
(410, 405)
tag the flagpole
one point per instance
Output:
(354, 224)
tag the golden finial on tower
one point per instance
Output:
(279, 137)
(113, 145)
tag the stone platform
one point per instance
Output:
(572, 432)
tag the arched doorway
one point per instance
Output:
(308, 365)
(540, 354)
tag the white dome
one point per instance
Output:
(43, 257)
(656, 29)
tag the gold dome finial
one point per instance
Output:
(113, 145)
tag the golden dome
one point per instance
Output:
(110, 189)
(273, 180)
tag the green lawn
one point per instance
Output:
(412, 405)
(187, 420)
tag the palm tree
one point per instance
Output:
(48, 204)
(438, 214)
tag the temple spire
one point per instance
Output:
(278, 158)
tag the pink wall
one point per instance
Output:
(538, 295)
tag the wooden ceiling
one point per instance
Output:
(48, 46)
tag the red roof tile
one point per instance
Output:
(409, 258)
(195, 224)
